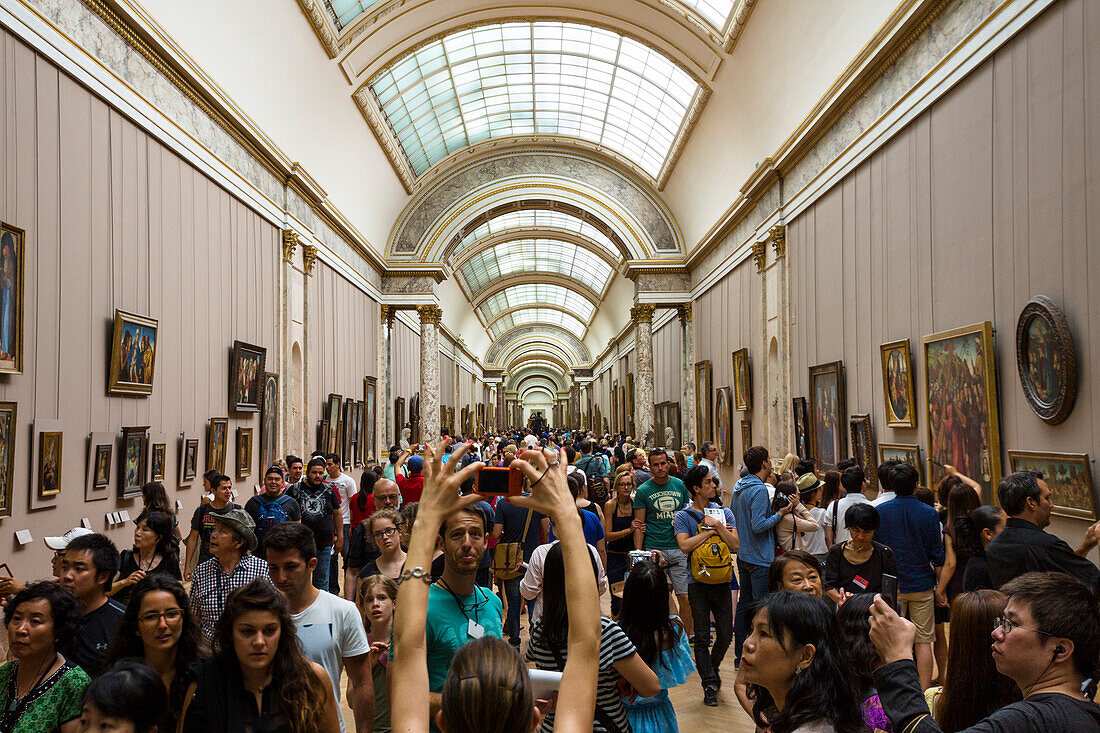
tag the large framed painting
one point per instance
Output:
(672, 417)
(189, 459)
(801, 427)
(908, 454)
(269, 421)
(1046, 359)
(133, 354)
(11, 300)
(897, 384)
(135, 447)
(863, 447)
(723, 437)
(746, 436)
(1069, 476)
(244, 452)
(961, 384)
(101, 466)
(332, 417)
(216, 439)
(742, 380)
(398, 419)
(370, 394)
(347, 434)
(615, 405)
(659, 425)
(246, 377)
(828, 415)
(704, 415)
(322, 435)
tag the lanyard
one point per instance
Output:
(475, 606)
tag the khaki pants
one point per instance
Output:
(920, 608)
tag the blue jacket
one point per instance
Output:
(912, 530)
(755, 521)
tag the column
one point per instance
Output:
(642, 315)
(687, 371)
(287, 429)
(429, 372)
(502, 406)
(385, 391)
(309, 258)
(573, 414)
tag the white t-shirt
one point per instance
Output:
(346, 485)
(840, 532)
(884, 497)
(330, 630)
(814, 542)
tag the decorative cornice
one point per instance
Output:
(760, 254)
(290, 243)
(684, 312)
(435, 270)
(676, 266)
(680, 142)
(429, 313)
(642, 313)
(316, 14)
(309, 258)
(778, 234)
(737, 25)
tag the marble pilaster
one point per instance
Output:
(429, 372)
(386, 389)
(687, 371)
(502, 407)
(642, 315)
(573, 417)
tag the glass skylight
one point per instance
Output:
(536, 315)
(345, 11)
(535, 78)
(714, 12)
(539, 219)
(534, 293)
(535, 255)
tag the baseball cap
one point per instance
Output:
(60, 543)
(416, 464)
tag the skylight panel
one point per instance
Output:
(521, 78)
(343, 12)
(714, 12)
(535, 255)
(532, 219)
(535, 293)
(536, 315)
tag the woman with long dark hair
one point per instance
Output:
(859, 658)
(662, 644)
(155, 499)
(159, 630)
(155, 552)
(792, 665)
(974, 532)
(258, 677)
(973, 688)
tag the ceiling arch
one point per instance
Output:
(537, 380)
(539, 287)
(539, 359)
(538, 351)
(543, 315)
(544, 370)
(544, 254)
(525, 396)
(523, 218)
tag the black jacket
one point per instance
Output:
(1023, 548)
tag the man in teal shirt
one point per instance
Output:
(655, 505)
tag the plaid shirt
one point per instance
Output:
(211, 586)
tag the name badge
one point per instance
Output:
(474, 630)
(860, 582)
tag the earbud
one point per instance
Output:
(1057, 650)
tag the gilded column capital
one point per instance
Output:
(760, 254)
(387, 313)
(642, 313)
(778, 236)
(684, 312)
(309, 258)
(429, 313)
(290, 243)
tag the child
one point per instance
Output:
(375, 598)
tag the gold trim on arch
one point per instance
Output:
(531, 306)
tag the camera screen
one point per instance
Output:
(492, 481)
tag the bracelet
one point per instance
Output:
(417, 572)
(540, 477)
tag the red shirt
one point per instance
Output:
(411, 487)
(358, 516)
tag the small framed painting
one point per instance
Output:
(244, 452)
(101, 466)
(1046, 359)
(371, 397)
(269, 421)
(746, 436)
(246, 377)
(189, 459)
(1069, 477)
(216, 439)
(11, 300)
(828, 413)
(897, 384)
(907, 454)
(133, 354)
(158, 457)
(49, 463)
(742, 380)
(723, 437)
(704, 411)
(801, 427)
(863, 447)
(7, 456)
(135, 446)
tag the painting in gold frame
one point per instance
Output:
(704, 408)
(370, 397)
(135, 447)
(742, 380)
(746, 435)
(1069, 477)
(7, 456)
(897, 384)
(49, 463)
(158, 458)
(216, 438)
(961, 405)
(244, 452)
(246, 377)
(907, 454)
(269, 421)
(12, 252)
(828, 415)
(863, 447)
(723, 437)
(133, 354)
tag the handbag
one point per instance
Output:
(508, 556)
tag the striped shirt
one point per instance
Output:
(211, 586)
(614, 646)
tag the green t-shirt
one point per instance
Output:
(661, 502)
(57, 700)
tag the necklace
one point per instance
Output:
(142, 565)
(18, 699)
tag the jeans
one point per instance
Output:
(515, 605)
(616, 572)
(754, 587)
(706, 599)
(320, 573)
(334, 565)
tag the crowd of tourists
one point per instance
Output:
(406, 593)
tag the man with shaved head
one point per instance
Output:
(361, 550)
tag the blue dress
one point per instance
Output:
(656, 714)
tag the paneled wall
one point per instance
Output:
(979, 204)
(115, 220)
(667, 360)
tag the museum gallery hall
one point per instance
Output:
(232, 232)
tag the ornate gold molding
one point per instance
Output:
(684, 312)
(760, 255)
(429, 313)
(309, 258)
(778, 236)
(316, 14)
(642, 313)
(290, 243)
(388, 314)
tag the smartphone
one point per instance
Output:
(544, 683)
(890, 590)
(493, 481)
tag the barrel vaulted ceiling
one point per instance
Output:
(533, 140)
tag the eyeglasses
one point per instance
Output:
(384, 533)
(1006, 626)
(151, 620)
(385, 498)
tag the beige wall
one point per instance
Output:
(978, 205)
